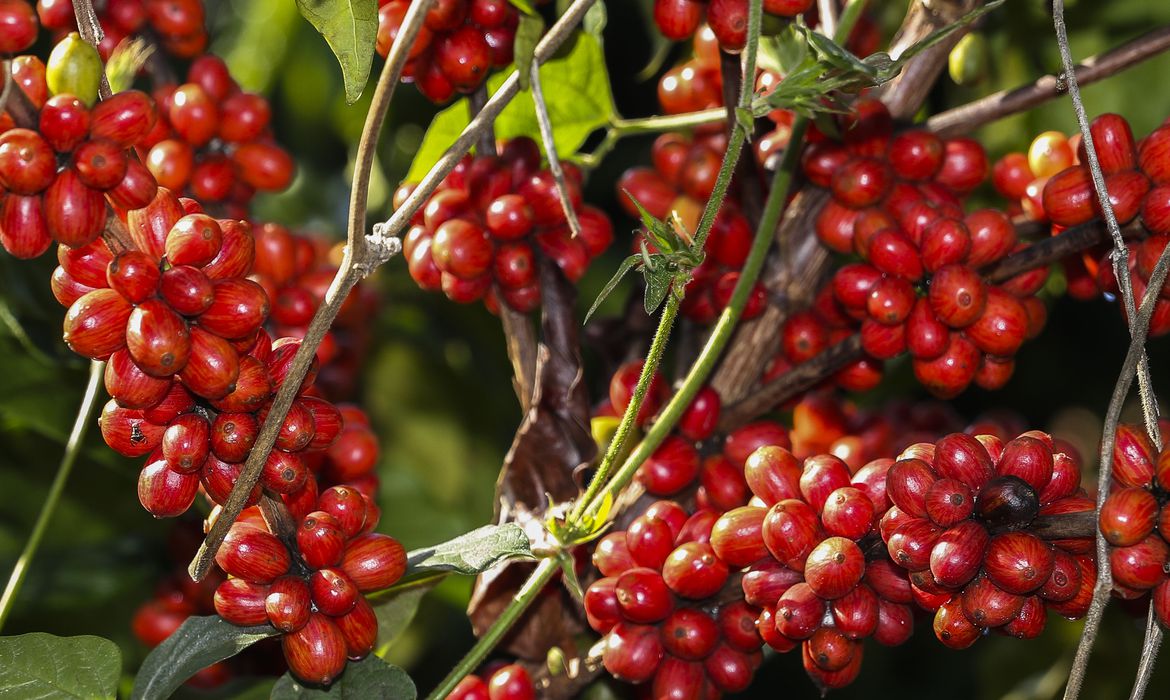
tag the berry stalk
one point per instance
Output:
(72, 449)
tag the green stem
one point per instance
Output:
(670, 122)
(721, 333)
(524, 597)
(653, 359)
(72, 449)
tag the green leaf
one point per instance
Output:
(472, 553)
(528, 34)
(783, 52)
(576, 91)
(350, 27)
(369, 678)
(661, 233)
(596, 18)
(39, 665)
(657, 285)
(612, 283)
(524, 6)
(397, 607)
(198, 643)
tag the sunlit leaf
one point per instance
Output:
(528, 33)
(473, 553)
(657, 286)
(350, 27)
(576, 92)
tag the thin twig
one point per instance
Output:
(1120, 251)
(72, 449)
(550, 151)
(362, 255)
(23, 112)
(1150, 646)
(905, 94)
(520, 340)
(91, 31)
(6, 66)
(487, 140)
(964, 119)
(1140, 329)
(561, 30)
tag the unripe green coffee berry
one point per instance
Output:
(74, 68)
(968, 61)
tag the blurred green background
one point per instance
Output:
(437, 382)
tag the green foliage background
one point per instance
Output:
(437, 382)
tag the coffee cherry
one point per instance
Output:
(332, 591)
(1018, 562)
(730, 670)
(316, 653)
(910, 545)
(74, 213)
(158, 339)
(632, 652)
(1065, 581)
(649, 541)
(689, 634)
(242, 602)
(791, 530)
(948, 502)
(95, 325)
(737, 536)
(895, 623)
(185, 443)
(643, 595)
(373, 561)
(1133, 457)
(834, 567)
(957, 295)
(74, 67)
(958, 553)
(24, 231)
(164, 492)
(1030, 621)
(320, 540)
(671, 467)
(288, 605)
(952, 627)
(799, 612)
(27, 162)
(1141, 566)
(848, 513)
(908, 482)
(694, 571)
(511, 682)
(1007, 502)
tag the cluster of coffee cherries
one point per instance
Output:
(508, 682)
(1052, 183)
(213, 140)
(461, 41)
(959, 524)
(314, 595)
(58, 175)
(656, 605)
(481, 232)
(675, 190)
(728, 19)
(177, 24)
(804, 544)
(897, 203)
(1135, 519)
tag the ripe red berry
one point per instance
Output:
(1018, 562)
(373, 561)
(643, 596)
(694, 571)
(689, 634)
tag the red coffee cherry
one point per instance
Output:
(1141, 566)
(27, 162)
(252, 554)
(799, 612)
(242, 602)
(737, 536)
(694, 571)
(689, 634)
(373, 561)
(316, 653)
(643, 595)
(861, 183)
(957, 555)
(163, 492)
(671, 467)
(288, 605)
(134, 275)
(952, 627)
(1018, 562)
(186, 442)
(157, 338)
(332, 591)
(632, 652)
(834, 567)
(910, 544)
(848, 513)
(791, 530)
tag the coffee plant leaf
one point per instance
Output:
(472, 553)
(369, 678)
(199, 642)
(350, 27)
(40, 665)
